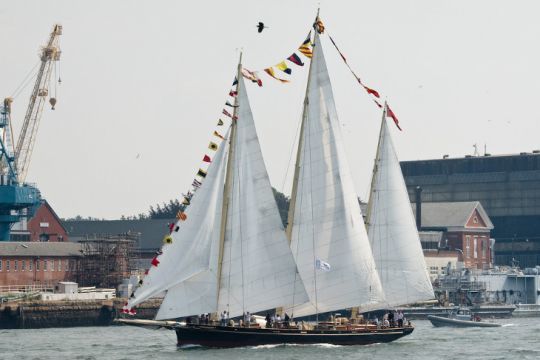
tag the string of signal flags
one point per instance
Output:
(306, 50)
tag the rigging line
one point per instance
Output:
(296, 136)
(301, 175)
(29, 76)
(312, 224)
(240, 231)
(230, 206)
(55, 78)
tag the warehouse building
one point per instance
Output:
(507, 186)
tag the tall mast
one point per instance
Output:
(297, 169)
(292, 205)
(228, 177)
(375, 170)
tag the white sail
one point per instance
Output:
(258, 270)
(188, 266)
(392, 230)
(327, 222)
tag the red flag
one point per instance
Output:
(233, 93)
(171, 227)
(145, 273)
(132, 312)
(390, 113)
(295, 59)
(207, 159)
(371, 91)
(155, 261)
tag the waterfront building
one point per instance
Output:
(462, 227)
(45, 225)
(508, 186)
(39, 264)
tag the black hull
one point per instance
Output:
(226, 337)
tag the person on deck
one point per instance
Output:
(268, 320)
(287, 319)
(278, 321)
(222, 316)
(400, 319)
(247, 319)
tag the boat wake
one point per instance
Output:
(273, 346)
(190, 347)
(506, 325)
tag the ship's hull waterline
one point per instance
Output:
(227, 337)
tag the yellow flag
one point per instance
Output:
(270, 71)
(283, 67)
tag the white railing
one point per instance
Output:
(8, 289)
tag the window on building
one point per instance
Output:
(7, 265)
(52, 265)
(475, 220)
(66, 264)
(475, 247)
(59, 265)
(45, 265)
(484, 247)
(37, 265)
(467, 246)
(16, 265)
(30, 265)
(23, 265)
(0, 264)
(44, 237)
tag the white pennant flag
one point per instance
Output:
(322, 265)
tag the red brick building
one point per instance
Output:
(44, 226)
(38, 263)
(465, 228)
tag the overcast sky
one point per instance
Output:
(144, 82)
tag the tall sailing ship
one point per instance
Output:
(233, 254)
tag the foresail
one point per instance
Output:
(392, 231)
(187, 269)
(258, 269)
(328, 236)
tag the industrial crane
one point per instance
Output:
(19, 200)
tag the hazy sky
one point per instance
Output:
(144, 82)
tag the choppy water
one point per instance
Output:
(518, 339)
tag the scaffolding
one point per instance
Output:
(107, 259)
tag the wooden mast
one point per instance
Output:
(228, 176)
(375, 170)
(297, 169)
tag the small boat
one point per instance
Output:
(461, 318)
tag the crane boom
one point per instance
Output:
(27, 137)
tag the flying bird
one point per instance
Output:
(261, 26)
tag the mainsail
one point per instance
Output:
(392, 230)
(258, 271)
(232, 253)
(326, 229)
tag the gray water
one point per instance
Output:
(517, 339)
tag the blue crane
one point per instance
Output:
(18, 199)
